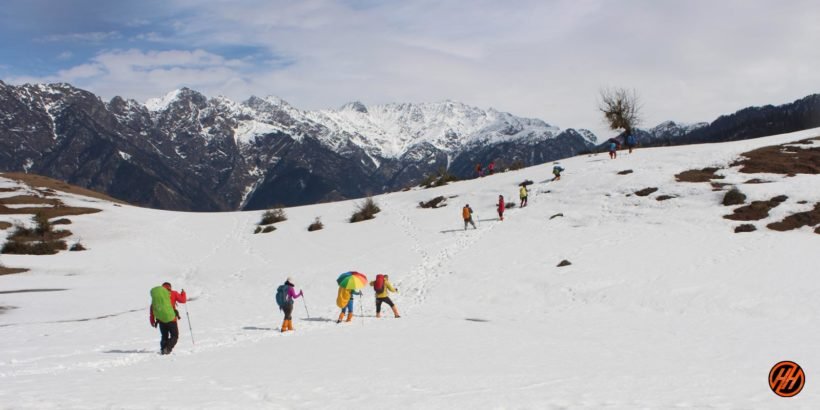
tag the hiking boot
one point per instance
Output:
(284, 326)
(341, 316)
(395, 312)
(378, 315)
(290, 324)
(349, 317)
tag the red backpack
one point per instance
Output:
(379, 284)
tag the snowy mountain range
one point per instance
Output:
(189, 152)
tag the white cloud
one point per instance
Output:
(689, 61)
(91, 37)
(65, 55)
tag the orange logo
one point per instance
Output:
(786, 379)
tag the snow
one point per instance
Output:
(663, 305)
(160, 104)
(247, 131)
(124, 155)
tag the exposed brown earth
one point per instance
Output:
(698, 175)
(645, 191)
(785, 159)
(757, 210)
(4, 225)
(798, 220)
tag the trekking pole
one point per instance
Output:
(190, 329)
(304, 302)
(361, 309)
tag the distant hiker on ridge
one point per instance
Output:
(164, 313)
(491, 167)
(478, 170)
(631, 142)
(285, 294)
(522, 193)
(382, 286)
(613, 149)
(501, 206)
(467, 214)
(557, 170)
(344, 300)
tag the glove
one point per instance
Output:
(301, 292)
(177, 312)
(153, 324)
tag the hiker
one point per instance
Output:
(285, 294)
(631, 142)
(491, 167)
(523, 194)
(345, 301)
(613, 149)
(478, 170)
(165, 314)
(467, 214)
(501, 207)
(382, 286)
(557, 170)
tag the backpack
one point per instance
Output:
(378, 285)
(282, 297)
(161, 305)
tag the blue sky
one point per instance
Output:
(689, 61)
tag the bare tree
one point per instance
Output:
(621, 107)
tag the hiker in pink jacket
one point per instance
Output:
(501, 207)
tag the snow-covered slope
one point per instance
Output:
(663, 305)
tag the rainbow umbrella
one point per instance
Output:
(352, 280)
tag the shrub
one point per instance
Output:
(257, 230)
(365, 211)
(272, 216)
(509, 205)
(62, 221)
(437, 179)
(646, 191)
(77, 246)
(316, 225)
(269, 228)
(745, 228)
(43, 225)
(33, 248)
(436, 202)
(734, 197)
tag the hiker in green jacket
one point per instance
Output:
(163, 313)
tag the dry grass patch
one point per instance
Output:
(757, 210)
(5, 225)
(745, 228)
(30, 200)
(436, 202)
(698, 175)
(798, 220)
(785, 159)
(54, 212)
(272, 216)
(9, 271)
(39, 181)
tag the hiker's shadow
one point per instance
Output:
(257, 328)
(317, 319)
(140, 351)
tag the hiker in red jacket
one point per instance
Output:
(501, 207)
(491, 167)
(169, 330)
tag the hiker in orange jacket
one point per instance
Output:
(169, 331)
(467, 214)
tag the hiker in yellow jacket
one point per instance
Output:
(382, 286)
(522, 193)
